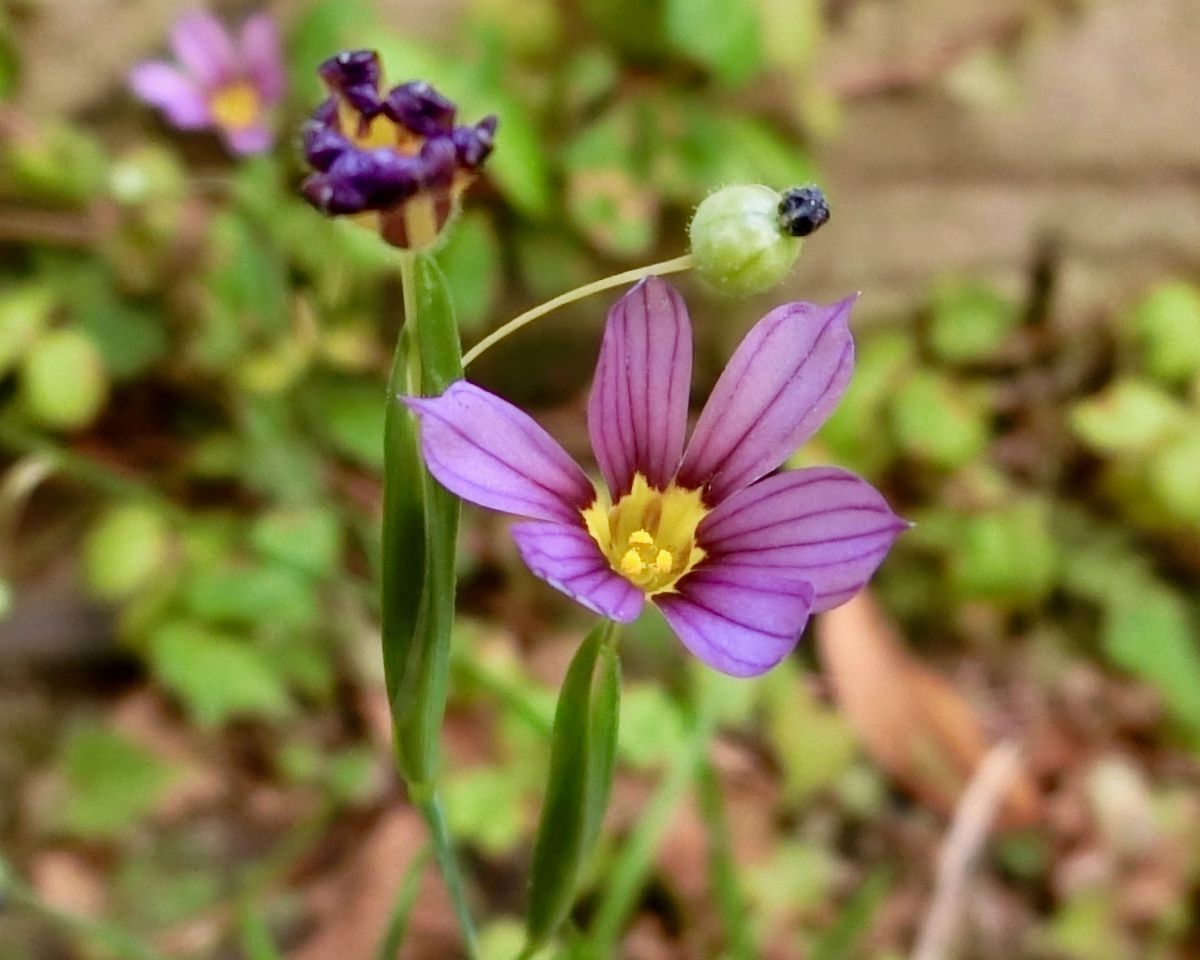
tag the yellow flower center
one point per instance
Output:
(649, 535)
(236, 107)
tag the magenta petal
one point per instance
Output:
(781, 384)
(741, 622)
(823, 525)
(487, 451)
(637, 412)
(205, 49)
(263, 58)
(248, 140)
(171, 91)
(567, 558)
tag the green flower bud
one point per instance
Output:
(746, 238)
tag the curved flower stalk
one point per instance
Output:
(223, 83)
(394, 159)
(735, 559)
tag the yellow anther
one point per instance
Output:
(631, 563)
(663, 562)
(641, 537)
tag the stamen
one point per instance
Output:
(642, 537)
(632, 564)
(664, 561)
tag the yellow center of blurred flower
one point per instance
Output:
(236, 107)
(649, 535)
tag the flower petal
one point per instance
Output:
(205, 49)
(487, 451)
(781, 384)
(741, 622)
(567, 558)
(637, 411)
(262, 57)
(822, 524)
(247, 140)
(171, 91)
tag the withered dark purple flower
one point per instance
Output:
(395, 159)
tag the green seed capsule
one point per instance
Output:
(746, 238)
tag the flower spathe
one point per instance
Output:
(735, 556)
(394, 159)
(222, 82)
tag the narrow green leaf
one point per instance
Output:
(839, 941)
(406, 897)
(257, 939)
(420, 529)
(582, 759)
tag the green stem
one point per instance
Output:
(629, 874)
(676, 265)
(406, 897)
(727, 892)
(430, 804)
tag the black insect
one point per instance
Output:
(802, 210)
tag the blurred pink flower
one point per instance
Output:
(222, 82)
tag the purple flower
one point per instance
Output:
(222, 83)
(735, 559)
(397, 158)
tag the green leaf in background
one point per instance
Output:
(306, 539)
(969, 321)
(939, 420)
(125, 549)
(349, 414)
(217, 677)
(608, 199)
(790, 30)
(486, 806)
(131, 337)
(470, 259)
(277, 459)
(1167, 324)
(1149, 631)
(64, 384)
(57, 162)
(582, 760)
(1174, 474)
(24, 313)
(109, 782)
(1129, 417)
(420, 530)
(637, 28)
(652, 727)
(881, 364)
(1007, 555)
(723, 35)
(813, 760)
(244, 595)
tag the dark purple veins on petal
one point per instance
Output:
(637, 411)
(779, 387)
(821, 524)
